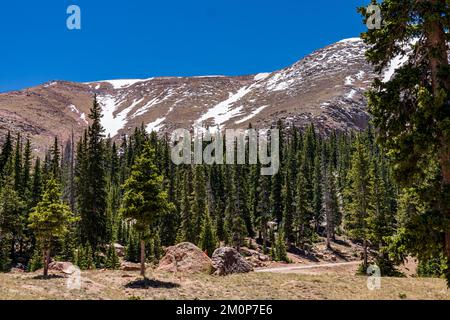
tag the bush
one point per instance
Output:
(84, 258)
(5, 245)
(36, 261)
(112, 259)
(280, 252)
(434, 267)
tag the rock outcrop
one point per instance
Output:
(185, 257)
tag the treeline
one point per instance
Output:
(85, 196)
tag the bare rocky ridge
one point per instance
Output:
(326, 87)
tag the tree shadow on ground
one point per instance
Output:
(151, 283)
(342, 242)
(50, 276)
(303, 253)
(338, 253)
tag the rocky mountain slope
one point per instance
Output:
(326, 87)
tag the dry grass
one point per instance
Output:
(124, 285)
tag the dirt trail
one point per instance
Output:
(300, 268)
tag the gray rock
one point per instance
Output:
(62, 266)
(227, 260)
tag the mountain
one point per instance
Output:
(325, 87)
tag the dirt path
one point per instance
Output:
(299, 268)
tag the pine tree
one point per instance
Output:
(18, 165)
(208, 239)
(36, 261)
(280, 253)
(144, 200)
(263, 210)
(11, 215)
(276, 199)
(358, 195)
(317, 191)
(410, 110)
(157, 249)
(112, 259)
(198, 201)
(288, 210)
(49, 220)
(240, 198)
(36, 191)
(91, 181)
(331, 205)
(303, 209)
(186, 231)
(55, 160)
(6, 153)
(26, 172)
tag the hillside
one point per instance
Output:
(325, 87)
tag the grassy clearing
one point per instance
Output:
(125, 285)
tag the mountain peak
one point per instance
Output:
(326, 88)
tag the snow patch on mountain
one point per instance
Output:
(351, 94)
(349, 80)
(155, 125)
(223, 111)
(261, 76)
(251, 115)
(119, 83)
(164, 96)
(82, 116)
(111, 121)
(350, 40)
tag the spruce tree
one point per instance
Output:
(358, 195)
(198, 201)
(263, 210)
(36, 191)
(112, 259)
(288, 209)
(6, 153)
(26, 171)
(208, 239)
(49, 220)
(18, 165)
(11, 221)
(91, 181)
(186, 231)
(303, 209)
(144, 200)
(411, 108)
(331, 205)
(280, 252)
(55, 168)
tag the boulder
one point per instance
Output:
(228, 260)
(18, 268)
(185, 257)
(120, 250)
(255, 262)
(64, 267)
(130, 266)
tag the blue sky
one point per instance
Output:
(145, 38)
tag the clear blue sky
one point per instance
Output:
(144, 38)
